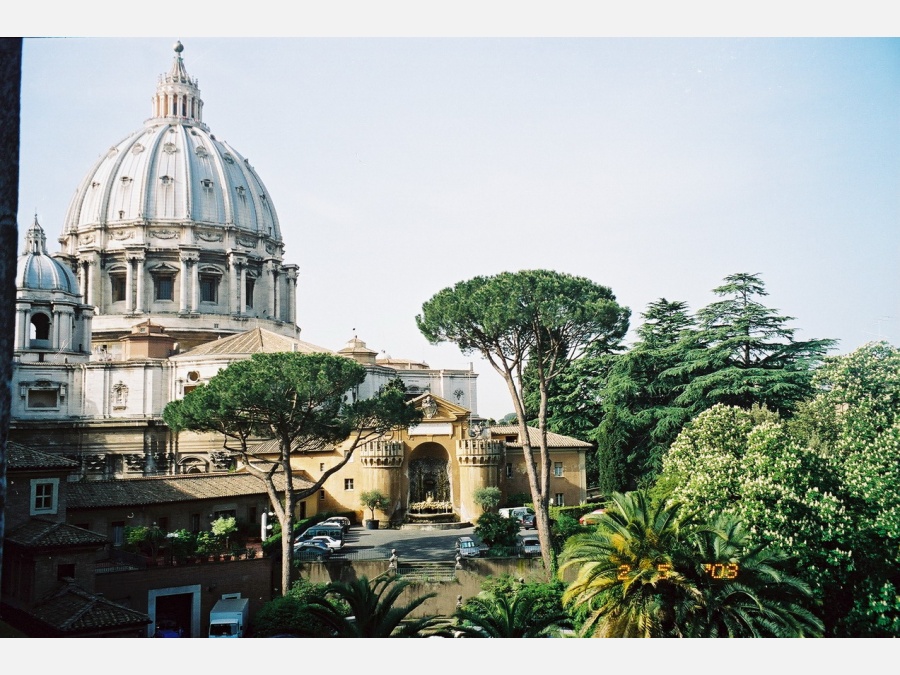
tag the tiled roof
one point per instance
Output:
(38, 533)
(255, 341)
(273, 447)
(534, 435)
(20, 457)
(168, 489)
(72, 610)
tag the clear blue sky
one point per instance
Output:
(400, 166)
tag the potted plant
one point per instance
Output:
(207, 545)
(374, 499)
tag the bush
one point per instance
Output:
(564, 527)
(488, 498)
(288, 614)
(144, 540)
(183, 544)
(209, 544)
(495, 530)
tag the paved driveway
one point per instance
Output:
(363, 544)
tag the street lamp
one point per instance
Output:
(172, 536)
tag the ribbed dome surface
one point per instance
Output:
(174, 170)
(37, 271)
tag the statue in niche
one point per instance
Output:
(120, 396)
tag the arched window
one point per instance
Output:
(40, 327)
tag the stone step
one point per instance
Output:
(427, 571)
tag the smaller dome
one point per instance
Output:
(37, 271)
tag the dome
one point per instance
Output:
(174, 170)
(174, 225)
(37, 271)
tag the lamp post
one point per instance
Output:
(172, 536)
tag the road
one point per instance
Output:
(361, 543)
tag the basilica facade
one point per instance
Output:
(171, 267)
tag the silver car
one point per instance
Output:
(528, 546)
(467, 547)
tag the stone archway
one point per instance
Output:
(429, 475)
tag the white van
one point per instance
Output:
(518, 512)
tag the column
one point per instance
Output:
(195, 281)
(82, 280)
(22, 328)
(243, 293)
(183, 293)
(55, 330)
(139, 263)
(232, 284)
(96, 281)
(272, 287)
(292, 296)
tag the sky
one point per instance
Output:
(400, 166)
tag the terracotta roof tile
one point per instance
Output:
(38, 533)
(255, 341)
(534, 435)
(20, 457)
(167, 489)
(71, 609)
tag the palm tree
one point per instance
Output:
(494, 615)
(746, 591)
(651, 571)
(630, 581)
(361, 608)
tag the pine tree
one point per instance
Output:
(746, 354)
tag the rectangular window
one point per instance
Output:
(558, 469)
(560, 501)
(321, 466)
(195, 522)
(209, 288)
(509, 471)
(65, 570)
(164, 287)
(44, 493)
(348, 483)
(321, 495)
(43, 398)
(118, 287)
(117, 532)
(249, 292)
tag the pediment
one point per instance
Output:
(437, 409)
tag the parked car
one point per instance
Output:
(468, 548)
(317, 550)
(528, 546)
(343, 521)
(333, 530)
(528, 522)
(331, 542)
(591, 518)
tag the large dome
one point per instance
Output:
(173, 225)
(173, 169)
